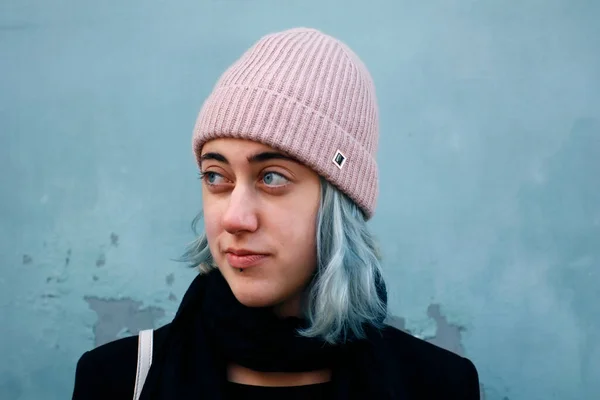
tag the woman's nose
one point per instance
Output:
(240, 215)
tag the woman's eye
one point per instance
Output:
(274, 179)
(212, 178)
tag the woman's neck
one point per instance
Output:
(290, 308)
(246, 376)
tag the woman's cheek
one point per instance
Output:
(211, 228)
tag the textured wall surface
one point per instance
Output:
(489, 215)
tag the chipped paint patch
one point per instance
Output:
(447, 336)
(116, 315)
(101, 261)
(114, 239)
(170, 279)
(68, 258)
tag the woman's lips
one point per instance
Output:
(244, 261)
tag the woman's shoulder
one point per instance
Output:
(414, 347)
(426, 365)
(109, 369)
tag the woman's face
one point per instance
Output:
(260, 209)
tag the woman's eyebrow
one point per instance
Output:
(255, 158)
(214, 156)
(269, 155)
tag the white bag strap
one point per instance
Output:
(144, 360)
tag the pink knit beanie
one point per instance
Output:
(308, 95)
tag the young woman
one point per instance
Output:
(290, 300)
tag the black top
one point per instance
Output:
(423, 370)
(320, 391)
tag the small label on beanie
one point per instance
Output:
(339, 159)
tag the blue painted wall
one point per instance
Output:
(489, 215)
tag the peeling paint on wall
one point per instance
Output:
(170, 279)
(447, 336)
(114, 239)
(101, 261)
(68, 258)
(118, 315)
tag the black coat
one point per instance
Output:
(423, 370)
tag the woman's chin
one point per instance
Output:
(261, 293)
(253, 299)
(252, 295)
(281, 307)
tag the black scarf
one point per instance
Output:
(211, 328)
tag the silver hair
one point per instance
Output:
(347, 290)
